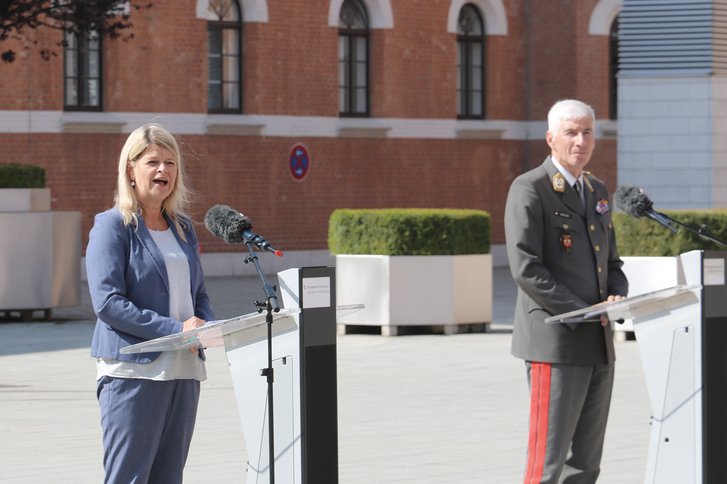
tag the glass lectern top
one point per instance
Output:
(207, 336)
(633, 307)
(212, 334)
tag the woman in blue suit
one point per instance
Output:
(146, 281)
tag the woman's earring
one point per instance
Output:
(133, 184)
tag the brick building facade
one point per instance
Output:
(410, 150)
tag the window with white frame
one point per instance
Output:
(353, 59)
(470, 63)
(82, 72)
(224, 56)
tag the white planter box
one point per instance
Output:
(415, 290)
(40, 257)
(648, 274)
(24, 199)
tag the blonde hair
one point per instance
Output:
(125, 198)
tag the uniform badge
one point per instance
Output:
(602, 206)
(558, 183)
(566, 241)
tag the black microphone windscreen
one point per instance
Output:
(226, 223)
(632, 200)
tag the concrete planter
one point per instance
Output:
(40, 253)
(648, 274)
(24, 199)
(416, 290)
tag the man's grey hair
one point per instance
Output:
(568, 109)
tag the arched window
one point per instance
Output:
(224, 56)
(82, 71)
(613, 70)
(470, 63)
(353, 59)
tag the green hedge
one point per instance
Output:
(21, 176)
(645, 237)
(409, 231)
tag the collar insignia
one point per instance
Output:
(558, 183)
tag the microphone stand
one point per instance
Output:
(702, 231)
(271, 305)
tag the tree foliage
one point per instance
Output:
(106, 18)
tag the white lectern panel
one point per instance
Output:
(304, 386)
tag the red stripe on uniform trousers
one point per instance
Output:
(539, 403)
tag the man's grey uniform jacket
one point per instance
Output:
(563, 257)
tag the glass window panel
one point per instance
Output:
(70, 40)
(342, 99)
(92, 41)
(214, 41)
(71, 63)
(476, 103)
(343, 48)
(233, 13)
(71, 92)
(360, 99)
(215, 68)
(360, 74)
(476, 79)
(93, 65)
(341, 73)
(353, 16)
(361, 54)
(223, 10)
(231, 41)
(92, 93)
(231, 95)
(470, 21)
(475, 54)
(461, 53)
(231, 68)
(214, 96)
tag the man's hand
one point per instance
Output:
(611, 298)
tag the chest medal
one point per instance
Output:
(566, 241)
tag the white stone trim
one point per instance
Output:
(381, 15)
(252, 10)
(493, 11)
(278, 126)
(602, 16)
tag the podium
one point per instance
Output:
(682, 336)
(305, 385)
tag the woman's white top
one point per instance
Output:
(170, 365)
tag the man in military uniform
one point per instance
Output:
(562, 251)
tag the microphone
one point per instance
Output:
(234, 228)
(634, 202)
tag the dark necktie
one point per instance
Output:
(579, 191)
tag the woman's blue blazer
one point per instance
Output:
(129, 285)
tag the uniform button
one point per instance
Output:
(598, 248)
(565, 226)
(610, 226)
(592, 227)
(600, 270)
